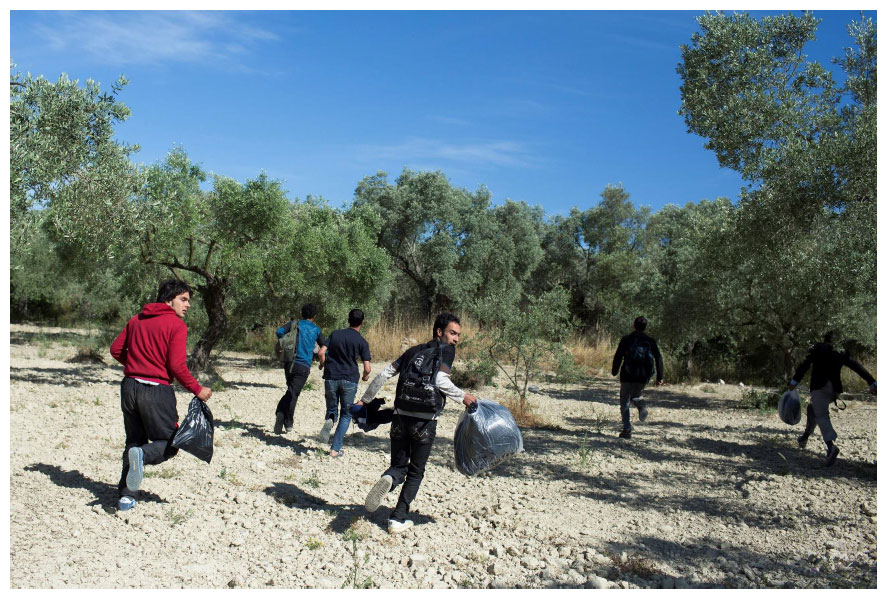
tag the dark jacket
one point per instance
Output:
(623, 347)
(827, 367)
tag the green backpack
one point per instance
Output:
(285, 347)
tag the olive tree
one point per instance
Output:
(597, 255)
(247, 249)
(62, 152)
(806, 226)
(447, 244)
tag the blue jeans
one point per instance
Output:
(341, 393)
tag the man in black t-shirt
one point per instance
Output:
(344, 348)
(413, 428)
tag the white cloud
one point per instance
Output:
(421, 150)
(139, 37)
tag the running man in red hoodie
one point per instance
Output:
(152, 350)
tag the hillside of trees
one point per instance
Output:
(729, 288)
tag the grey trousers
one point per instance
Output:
(818, 413)
(629, 391)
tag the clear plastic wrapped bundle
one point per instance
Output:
(485, 436)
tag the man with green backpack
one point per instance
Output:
(295, 349)
(639, 354)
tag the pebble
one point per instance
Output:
(530, 562)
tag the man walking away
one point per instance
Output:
(297, 371)
(152, 350)
(639, 354)
(826, 384)
(423, 384)
(344, 348)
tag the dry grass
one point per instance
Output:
(525, 415)
(637, 565)
(389, 339)
(87, 355)
(591, 354)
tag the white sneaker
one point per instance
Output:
(396, 527)
(325, 431)
(379, 489)
(126, 503)
(136, 468)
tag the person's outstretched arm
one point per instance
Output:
(446, 386)
(380, 379)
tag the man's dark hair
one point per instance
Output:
(640, 323)
(442, 321)
(830, 336)
(355, 317)
(171, 289)
(309, 311)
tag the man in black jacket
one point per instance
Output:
(826, 385)
(639, 354)
(414, 427)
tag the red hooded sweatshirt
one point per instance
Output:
(152, 347)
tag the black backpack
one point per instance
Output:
(639, 359)
(417, 390)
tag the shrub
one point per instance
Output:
(763, 400)
(474, 374)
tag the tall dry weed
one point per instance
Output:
(388, 339)
(592, 354)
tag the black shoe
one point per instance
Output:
(802, 440)
(278, 423)
(626, 434)
(831, 453)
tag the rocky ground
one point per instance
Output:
(703, 495)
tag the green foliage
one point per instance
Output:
(729, 290)
(474, 374)
(447, 245)
(800, 248)
(763, 400)
(597, 256)
(176, 517)
(63, 155)
(313, 480)
(521, 340)
(353, 539)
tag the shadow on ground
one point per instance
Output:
(344, 515)
(259, 433)
(105, 494)
(78, 375)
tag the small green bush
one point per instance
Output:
(763, 400)
(474, 374)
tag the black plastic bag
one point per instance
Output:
(485, 436)
(195, 435)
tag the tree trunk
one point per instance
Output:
(689, 362)
(789, 364)
(213, 294)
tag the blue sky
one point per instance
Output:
(542, 107)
